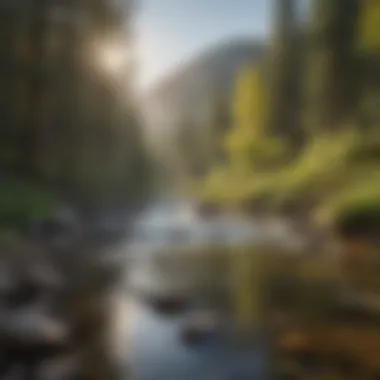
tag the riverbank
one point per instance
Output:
(56, 300)
(306, 290)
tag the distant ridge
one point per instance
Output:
(189, 89)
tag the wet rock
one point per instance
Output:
(64, 368)
(32, 328)
(40, 294)
(59, 232)
(168, 304)
(46, 275)
(202, 328)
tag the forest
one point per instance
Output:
(296, 136)
(301, 136)
(70, 133)
(71, 144)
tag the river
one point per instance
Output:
(156, 349)
(158, 353)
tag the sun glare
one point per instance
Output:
(110, 57)
(113, 57)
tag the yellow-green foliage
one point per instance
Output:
(223, 185)
(247, 270)
(337, 169)
(335, 172)
(362, 195)
(369, 27)
(254, 156)
(367, 149)
(249, 99)
(249, 107)
(321, 167)
(357, 184)
(322, 161)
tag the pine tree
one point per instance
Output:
(331, 78)
(368, 73)
(67, 122)
(78, 138)
(283, 74)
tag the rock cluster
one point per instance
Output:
(56, 306)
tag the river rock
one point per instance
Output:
(202, 328)
(32, 327)
(63, 368)
(168, 304)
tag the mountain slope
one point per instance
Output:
(189, 90)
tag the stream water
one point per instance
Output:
(157, 352)
(156, 349)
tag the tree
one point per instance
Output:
(250, 100)
(68, 123)
(332, 61)
(283, 74)
(368, 73)
(369, 27)
(250, 144)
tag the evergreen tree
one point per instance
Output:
(368, 73)
(283, 74)
(332, 61)
(68, 124)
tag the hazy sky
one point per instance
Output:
(169, 31)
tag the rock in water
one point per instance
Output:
(57, 304)
(170, 304)
(202, 328)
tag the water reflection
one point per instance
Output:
(159, 353)
(243, 269)
(176, 253)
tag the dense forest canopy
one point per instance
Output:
(299, 130)
(70, 125)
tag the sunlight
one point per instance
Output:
(110, 56)
(113, 57)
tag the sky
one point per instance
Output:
(169, 32)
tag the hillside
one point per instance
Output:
(190, 88)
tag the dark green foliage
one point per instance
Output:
(21, 203)
(66, 123)
(283, 75)
(332, 63)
